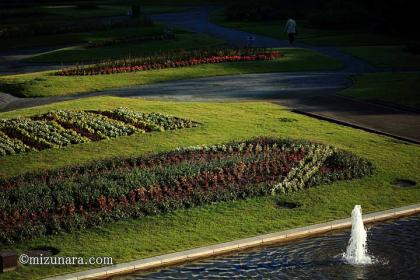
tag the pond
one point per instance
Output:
(395, 247)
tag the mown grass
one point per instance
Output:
(65, 14)
(185, 229)
(84, 54)
(398, 88)
(42, 84)
(57, 40)
(386, 56)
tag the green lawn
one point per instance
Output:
(83, 53)
(386, 56)
(81, 38)
(77, 38)
(73, 12)
(47, 84)
(185, 229)
(399, 88)
(61, 14)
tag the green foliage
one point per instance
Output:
(60, 128)
(184, 178)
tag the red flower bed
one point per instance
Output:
(174, 60)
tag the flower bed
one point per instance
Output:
(171, 60)
(10, 146)
(75, 198)
(40, 134)
(92, 125)
(60, 128)
(147, 122)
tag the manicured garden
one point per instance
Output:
(175, 59)
(57, 129)
(49, 84)
(82, 197)
(130, 178)
(210, 223)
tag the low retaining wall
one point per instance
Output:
(233, 246)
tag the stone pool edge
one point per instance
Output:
(234, 246)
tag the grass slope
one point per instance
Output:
(399, 88)
(80, 38)
(42, 84)
(386, 56)
(83, 53)
(219, 222)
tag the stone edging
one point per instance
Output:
(233, 246)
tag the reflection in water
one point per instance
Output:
(395, 245)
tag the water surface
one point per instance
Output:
(395, 246)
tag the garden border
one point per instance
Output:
(236, 245)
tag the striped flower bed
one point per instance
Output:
(61, 128)
(75, 198)
(171, 60)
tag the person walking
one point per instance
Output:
(290, 28)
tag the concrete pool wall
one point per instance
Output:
(234, 246)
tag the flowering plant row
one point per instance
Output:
(10, 146)
(149, 121)
(60, 128)
(35, 206)
(171, 60)
(40, 134)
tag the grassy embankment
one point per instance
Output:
(398, 88)
(41, 84)
(220, 222)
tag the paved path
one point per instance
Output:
(198, 21)
(314, 93)
(11, 61)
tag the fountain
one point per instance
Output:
(356, 253)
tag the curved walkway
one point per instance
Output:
(198, 21)
(310, 93)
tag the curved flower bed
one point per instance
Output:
(171, 60)
(75, 198)
(60, 128)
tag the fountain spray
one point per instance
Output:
(356, 252)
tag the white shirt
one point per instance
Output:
(290, 26)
